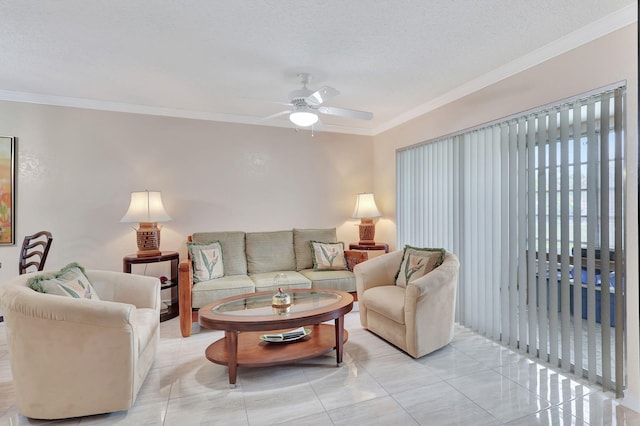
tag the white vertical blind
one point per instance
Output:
(533, 206)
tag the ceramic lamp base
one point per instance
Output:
(148, 239)
(367, 231)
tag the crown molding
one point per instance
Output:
(628, 15)
(65, 101)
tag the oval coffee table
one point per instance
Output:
(244, 318)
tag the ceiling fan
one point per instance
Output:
(306, 104)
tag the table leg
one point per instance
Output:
(232, 350)
(339, 338)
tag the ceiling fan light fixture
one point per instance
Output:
(303, 118)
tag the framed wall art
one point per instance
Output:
(7, 190)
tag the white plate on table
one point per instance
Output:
(282, 338)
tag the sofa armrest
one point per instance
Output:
(185, 282)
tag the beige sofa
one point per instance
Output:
(76, 357)
(418, 318)
(251, 261)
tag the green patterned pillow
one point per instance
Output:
(417, 262)
(328, 256)
(70, 281)
(207, 260)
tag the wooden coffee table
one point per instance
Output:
(244, 318)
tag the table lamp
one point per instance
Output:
(366, 210)
(146, 208)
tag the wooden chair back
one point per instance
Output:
(35, 249)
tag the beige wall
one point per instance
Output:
(77, 167)
(610, 59)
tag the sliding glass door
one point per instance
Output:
(533, 206)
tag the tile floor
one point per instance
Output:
(472, 381)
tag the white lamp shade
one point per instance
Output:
(303, 118)
(146, 206)
(366, 207)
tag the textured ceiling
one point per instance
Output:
(233, 60)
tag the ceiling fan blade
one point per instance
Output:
(345, 112)
(277, 114)
(321, 95)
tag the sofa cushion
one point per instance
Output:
(386, 300)
(233, 249)
(206, 292)
(328, 256)
(270, 251)
(265, 281)
(331, 280)
(70, 281)
(301, 239)
(207, 260)
(417, 262)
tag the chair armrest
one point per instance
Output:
(185, 282)
(378, 271)
(138, 290)
(443, 274)
(27, 303)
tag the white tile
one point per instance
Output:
(399, 372)
(549, 417)
(501, 397)
(601, 409)
(347, 385)
(151, 414)
(11, 417)
(441, 404)
(551, 385)
(281, 404)
(226, 409)
(318, 419)
(379, 411)
(489, 353)
(472, 381)
(448, 363)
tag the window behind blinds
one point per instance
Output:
(533, 206)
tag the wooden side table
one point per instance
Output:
(372, 250)
(172, 309)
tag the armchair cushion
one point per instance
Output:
(387, 300)
(417, 262)
(328, 256)
(207, 260)
(70, 281)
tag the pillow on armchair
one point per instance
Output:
(417, 262)
(70, 281)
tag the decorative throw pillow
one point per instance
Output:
(70, 281)
(328, 256)
(417, 262)
(206, 260)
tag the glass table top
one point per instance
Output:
(260, 304)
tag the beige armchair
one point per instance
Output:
(75, 357)
(419, 318)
